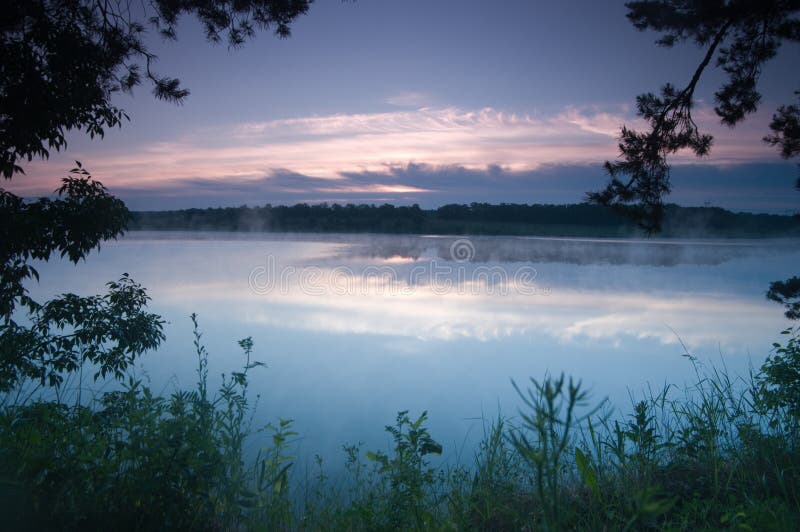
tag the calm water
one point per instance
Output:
(354, 328)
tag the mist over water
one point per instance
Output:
(354, 328)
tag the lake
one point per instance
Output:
(354, 328)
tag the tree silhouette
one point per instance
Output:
(739, 36)
(742, 35)
(786, 132)
(62, 61)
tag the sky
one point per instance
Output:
(428, 102)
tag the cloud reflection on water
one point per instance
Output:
(594, 290)
(343, 364)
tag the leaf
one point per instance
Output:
(587, 473)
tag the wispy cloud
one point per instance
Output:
(380, 148)
(600, 122)
(329, 146)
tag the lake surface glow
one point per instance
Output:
(354, 328)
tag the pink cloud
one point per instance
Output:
(326, 147)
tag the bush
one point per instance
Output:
(130, 459)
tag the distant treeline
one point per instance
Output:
(476, 218)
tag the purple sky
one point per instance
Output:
(420, 102)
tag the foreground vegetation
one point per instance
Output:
(721, 454)
(476, 218)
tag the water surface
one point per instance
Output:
(354, 328)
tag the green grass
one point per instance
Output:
(720, 454)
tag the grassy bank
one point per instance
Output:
(722, 453)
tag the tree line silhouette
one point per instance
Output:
(476, 218)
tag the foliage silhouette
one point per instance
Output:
(64, 60)
(133, 460)
(743, 35)
(779, 386)
(787, 293)
(723, 452)
(408, 474)
(107, 331)
(548, 423)
(62, 63)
